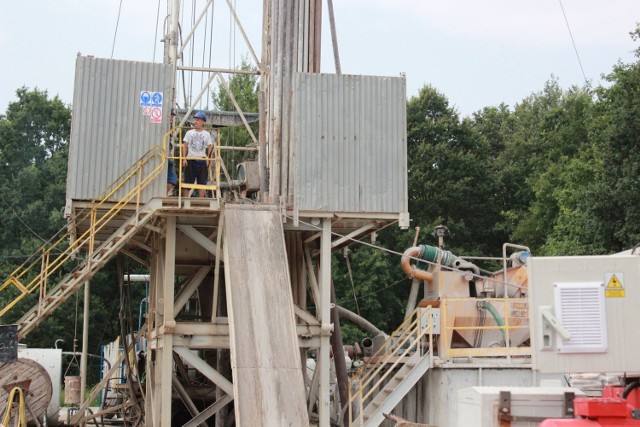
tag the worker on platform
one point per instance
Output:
(196, 153)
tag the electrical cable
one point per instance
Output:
(574, 42)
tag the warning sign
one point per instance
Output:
(156, 115)
(615, 285)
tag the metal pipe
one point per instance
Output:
(334, 38)
(358, 320)
(195, 26)
(504, 262)
(136, 277)
(324, 395)
(410, 270)
(413, 295)
(338, 354)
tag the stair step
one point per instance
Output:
(381, 396)
(75, 279)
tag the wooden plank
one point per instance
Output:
(267, 373)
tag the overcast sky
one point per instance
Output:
(477, 52)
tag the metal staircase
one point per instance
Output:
(393, 371)
(35, 273)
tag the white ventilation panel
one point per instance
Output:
(580, 309)
(585, 314)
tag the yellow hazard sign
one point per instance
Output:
(615, 285)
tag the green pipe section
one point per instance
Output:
(432, 253)
(496, 316)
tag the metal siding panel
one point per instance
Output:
(350, 133)
(109, 131)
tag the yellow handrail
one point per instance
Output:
(216, 160)
(51, 256)
(510, 308)
(405, 340)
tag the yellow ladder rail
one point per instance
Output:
(52, 255)
(405, 339)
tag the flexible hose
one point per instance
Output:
(21, 419)
(496, 316)
(632, 385)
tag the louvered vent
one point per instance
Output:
(580, 309)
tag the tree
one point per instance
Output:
(244, 88)
(451, 175)
(617, 206)
(547, 130)
(34, 136)
(34, 141)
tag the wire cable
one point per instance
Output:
(391, 251)
(155, 37)
(113, 46)
(574, 43)
(353, 286)
(11, 208)
(213, 11)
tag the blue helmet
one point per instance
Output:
(200, 115)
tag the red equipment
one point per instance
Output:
(618, 406)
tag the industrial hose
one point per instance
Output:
(21, 419)
(632, 385)
(496, 316)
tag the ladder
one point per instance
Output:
(393, 371)
(33, 275)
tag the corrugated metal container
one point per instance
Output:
(351, 139)
(120, 111)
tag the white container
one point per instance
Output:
(478, 406)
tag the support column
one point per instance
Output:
(324, 362)
(165, 350)
(85, 341)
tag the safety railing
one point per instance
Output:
(395, 352)
(216, 170)
(35, 272)
(484, 327)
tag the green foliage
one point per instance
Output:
(619, 138)
(376, 289)
(451, 176)
(244, 88)
(34, 138)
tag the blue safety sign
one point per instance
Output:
(145, 98)
(156, 99)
